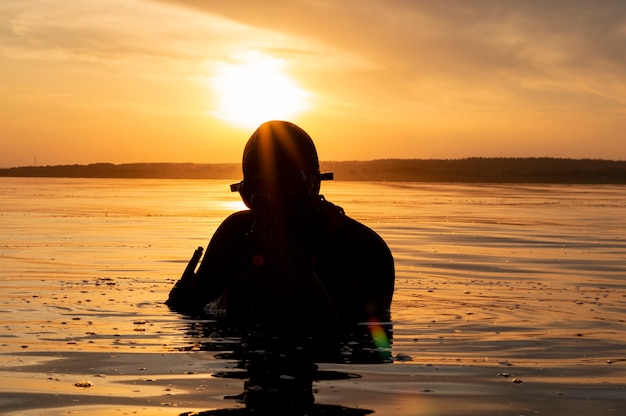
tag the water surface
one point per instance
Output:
(519, 280)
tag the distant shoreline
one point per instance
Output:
(470, 170)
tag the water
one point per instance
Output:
(487, 276)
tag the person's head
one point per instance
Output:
(280, 168)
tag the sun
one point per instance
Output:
(254, 89)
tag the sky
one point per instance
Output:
(125, 81)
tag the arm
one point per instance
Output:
(196, 289)
(358, 268)
(184, 288)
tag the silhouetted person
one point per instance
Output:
(293, 258)
(288, 273)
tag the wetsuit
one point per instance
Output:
(341, 259)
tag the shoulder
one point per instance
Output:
(234, 225)
(239, 216)
(344, 227)
(363, 236)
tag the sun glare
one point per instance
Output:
(256, 89)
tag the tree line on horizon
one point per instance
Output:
(476, 169)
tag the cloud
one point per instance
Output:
(438, 69)
(115, 32)
(519, 48)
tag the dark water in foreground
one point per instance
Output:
(492, 280)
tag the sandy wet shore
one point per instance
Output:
(134, 357)
(171, 384)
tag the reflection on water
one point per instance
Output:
(522, 279)
(279, 368)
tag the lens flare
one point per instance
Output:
(380, 338)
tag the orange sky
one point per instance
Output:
(188, 80)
